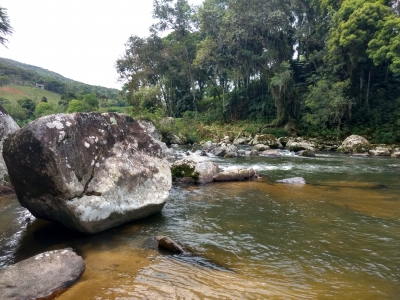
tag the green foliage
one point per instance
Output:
(328, 103)
(330, 67)
(43, 109)
(5, 26)
(29, 105)
(75, 106)
(184, 171)
(385, 45)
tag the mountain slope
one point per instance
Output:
(14, 72)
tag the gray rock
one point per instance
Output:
(194, 169)
(299, 144)
(203, 153)
(260, 147)
(225, 149)
(173, 139)
(396, 153)
(235, 175)
(293, 180)
(150, 129)
(355, 144)
(266, 139)
(166, 243)
(88, 171)
(252, 153)
(270, 153)
(40, 276)
(380, 151)
(7, 126)
(307, 153)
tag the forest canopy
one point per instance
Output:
(326, 66)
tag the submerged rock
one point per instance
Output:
(293, 180)
(251, 153)
(365, 154)
(194, 169)
(355, 144)
(40, 276)
(307, 153)
(7, 126)
(270, 153)
(88, 171)
(166, 243)
(235, 174)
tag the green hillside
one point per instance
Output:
(9, 95)
(16, 73)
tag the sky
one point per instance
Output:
(79, 39)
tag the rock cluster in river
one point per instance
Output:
(7, 126)
(88, 171)
(40, 276)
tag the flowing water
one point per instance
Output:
(337, 237)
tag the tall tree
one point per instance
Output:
(5, 26)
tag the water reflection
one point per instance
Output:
(337, 237)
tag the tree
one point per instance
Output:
(328, 104)
(384, 47)
(43, 109)
(29, 105)
(5, 26)
(75, 106)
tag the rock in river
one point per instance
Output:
(293, 180)
(40, 276)
(194, 169)
(355, 144)
(7, 126)
(88, 171)
(235, 174)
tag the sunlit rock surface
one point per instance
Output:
(7, 126)
(355, 144)
(40, 276)
(194, 169)
(88, 171)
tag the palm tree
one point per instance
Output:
(5, 26)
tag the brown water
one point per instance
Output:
(337, 237)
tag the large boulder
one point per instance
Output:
(41, 276)
(150, 129)
(7, 126)
(194, 169)
(355, 144)
(88, 171)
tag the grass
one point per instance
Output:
(13, 93)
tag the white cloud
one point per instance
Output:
(79, 39)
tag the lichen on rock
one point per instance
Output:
(88, 171)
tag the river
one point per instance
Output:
(337, 237)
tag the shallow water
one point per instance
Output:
(338, 237)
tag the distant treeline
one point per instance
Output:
(322, 67)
